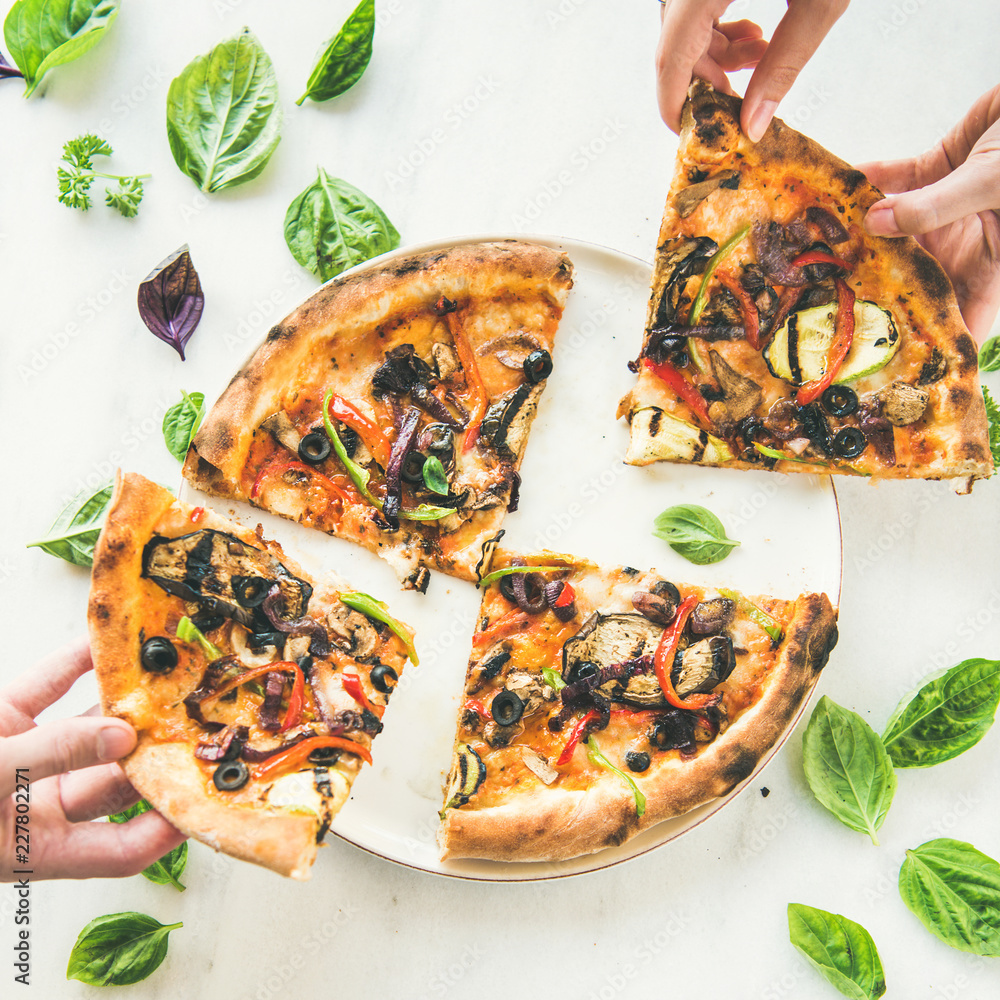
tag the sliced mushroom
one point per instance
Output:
(280, 427)
(444, 360)
(251, 658)
(489, 667)
(933, 369)
(531, 689)
(609, 639)
(743, 395)
(538, 765)
(658, 609)
(500, 736)
(703, 665)
(902, 403)
(354, 632)
(688, 199)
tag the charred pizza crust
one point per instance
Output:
(507, 293)
(275, 821)
(937, 354)
(528, 820)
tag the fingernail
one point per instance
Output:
(113, 742)
(881, 221)
(760, 119)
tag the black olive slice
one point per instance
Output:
(507, 588)
(637, 760)
(383, 678)
(538, 366)
(231, 775)
(839, 400)
(849, 443)
(583, 668)
(506, 708)
(250, 591)
(324, 755)
(412, 471)
(159, 655)
(258, 640)
(314, 447)
(206, 623)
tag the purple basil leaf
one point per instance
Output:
(171, 300)
(6, 70)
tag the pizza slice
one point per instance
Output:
(255, 691)
(781, 335)
(599, 702)
(393, 407)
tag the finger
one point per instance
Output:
(95, 792)
(737, 30)
(685, 36)
(50, 679)
(708, 69)
(795, 40)
(109, 850)
(66, 745)
(969, 189)
(741, 54)
(891, 175)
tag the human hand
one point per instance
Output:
(693, 42)
(949, 198)
(72, 781)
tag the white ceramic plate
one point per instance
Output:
(577, 497)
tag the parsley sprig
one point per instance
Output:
(993, 416)
(77, 177)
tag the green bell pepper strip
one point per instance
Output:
(187, 631)
(553, 678)
(379, 610)
(713, 262)
(755, 614)
(772, 453)
(492, 578)
(360, 476)
(595, 756)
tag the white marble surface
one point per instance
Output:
(537, 117)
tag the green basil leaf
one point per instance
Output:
(839, 949)
(181, 423)
(989, 355)
(168, 869)
(43, 34)
(955, 892)
(75, 531)
(847, 767)
(119, 949)
(993, 420)
(434, 478)
(223, 115)
(951, 713)
(695, 533)
(332, 226)
(345, 57)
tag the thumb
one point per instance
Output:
(65, 745)
(974, 186)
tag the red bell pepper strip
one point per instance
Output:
(819, 257)
(575, 736)
(249, 675)
(473, 380)
(674, 380)
(663, 660)
(843, 337)
(297, 699)
(369, 432)
(280, 465)
(475, 705)
(566, 596)
(197, 514)
(751, 318)
(352, 685)
(297, 753)
(514, 618)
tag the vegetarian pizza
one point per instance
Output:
(393, 407)
(599, 702)
(781, 335)
(255, 691)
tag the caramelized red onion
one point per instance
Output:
(401, 447)
(274, 687)
(767, 239)
(529, 590)
(320, 644)
(828, 225)
(553, 591)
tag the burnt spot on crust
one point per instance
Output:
(740, 766)
(851, 180)
(959, 398)
(966, 350)
(280, 332)
(621, 833)
(973, 451)
(410, 265)
(709, 132)
(831, 642)
(930, 276)
(101, 611)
